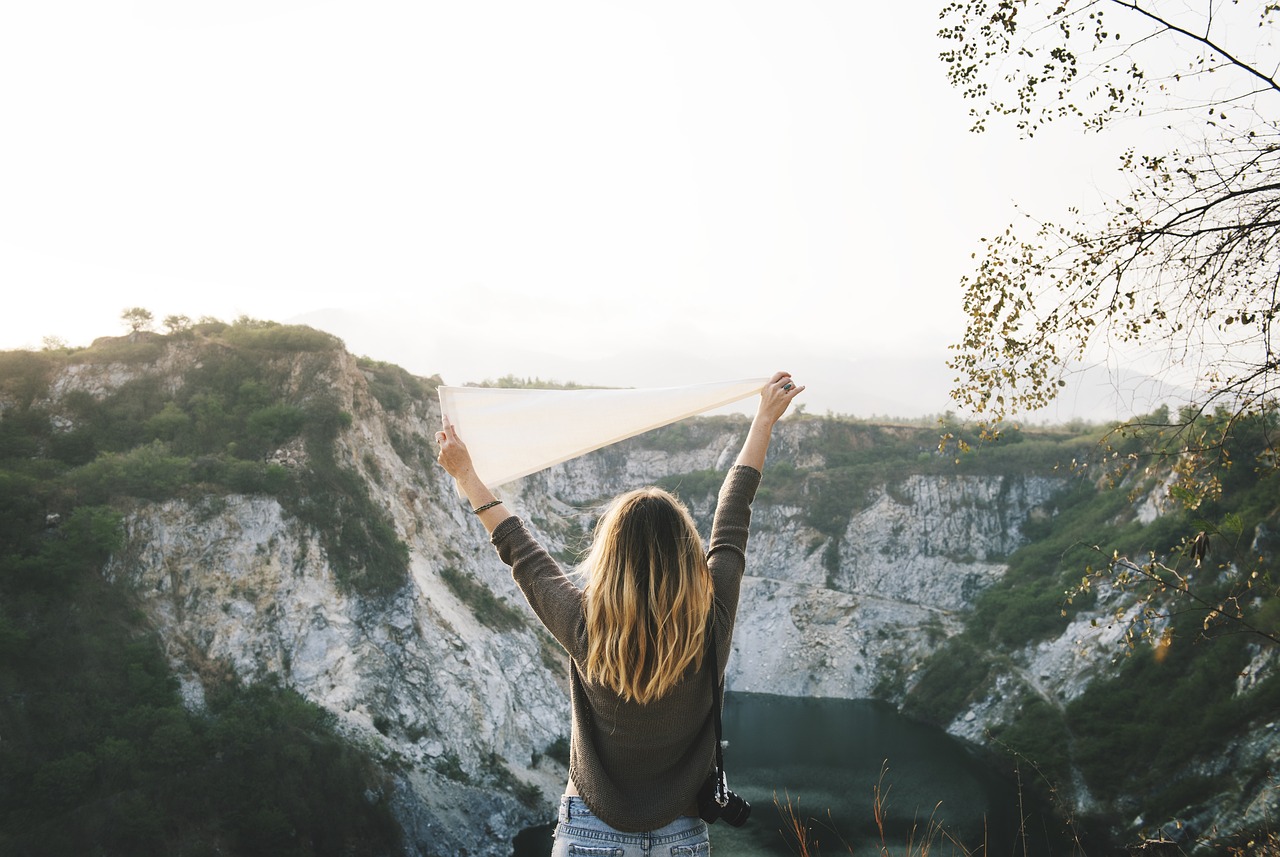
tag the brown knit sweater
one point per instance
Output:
(638, 767)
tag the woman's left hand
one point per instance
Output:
(454, 456)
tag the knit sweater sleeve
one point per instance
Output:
(727, 551)
(553, 597)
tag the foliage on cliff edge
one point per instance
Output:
(99, 753)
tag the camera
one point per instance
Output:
(716, 802)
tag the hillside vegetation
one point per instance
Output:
(1193, 595)
(101, 755)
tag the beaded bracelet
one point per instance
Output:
(488, 505)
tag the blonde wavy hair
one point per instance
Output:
(648, 593)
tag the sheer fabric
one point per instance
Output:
(514, 432)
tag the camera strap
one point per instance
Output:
(722, 783)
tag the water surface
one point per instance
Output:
(821, 762)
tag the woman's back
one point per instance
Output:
(639, 765)
(643, 738)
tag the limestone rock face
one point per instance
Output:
(422, 680)
(464, 711)
(907, 566)
(461, 714)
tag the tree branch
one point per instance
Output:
(1204, 40)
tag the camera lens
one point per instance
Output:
(736, 811)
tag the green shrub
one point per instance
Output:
(148, 472)
(450, 766)
(362, 546)
(487, 607)
(169, 424)
(99, 755)
(25, 377)
(1039, 735)
(686, 435)
(693, 486)
(1167, 705)
(24, 433)
(559, 750)
(278, 338)
(527, 793)
(273, 424)
(949, 680)
(62, 783)
(129, 350)
(391, 385)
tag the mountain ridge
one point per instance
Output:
(224, 449)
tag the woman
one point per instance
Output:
(643, 739)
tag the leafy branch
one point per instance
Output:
(1164, 590)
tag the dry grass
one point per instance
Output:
(932, 839)
(923, 841)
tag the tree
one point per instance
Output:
(177, 323)
(1186, 268)
(1183, 268)
(137, 318)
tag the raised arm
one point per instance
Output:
(455, 458)
(774, 400)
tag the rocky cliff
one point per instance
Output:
(451, 682)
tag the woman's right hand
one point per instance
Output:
(776, 397)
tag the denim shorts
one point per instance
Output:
(580, 834)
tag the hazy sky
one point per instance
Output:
(613, 193)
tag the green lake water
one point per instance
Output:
(824, 758)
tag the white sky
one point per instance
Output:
(613, 193)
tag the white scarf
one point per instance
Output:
(511, 433)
